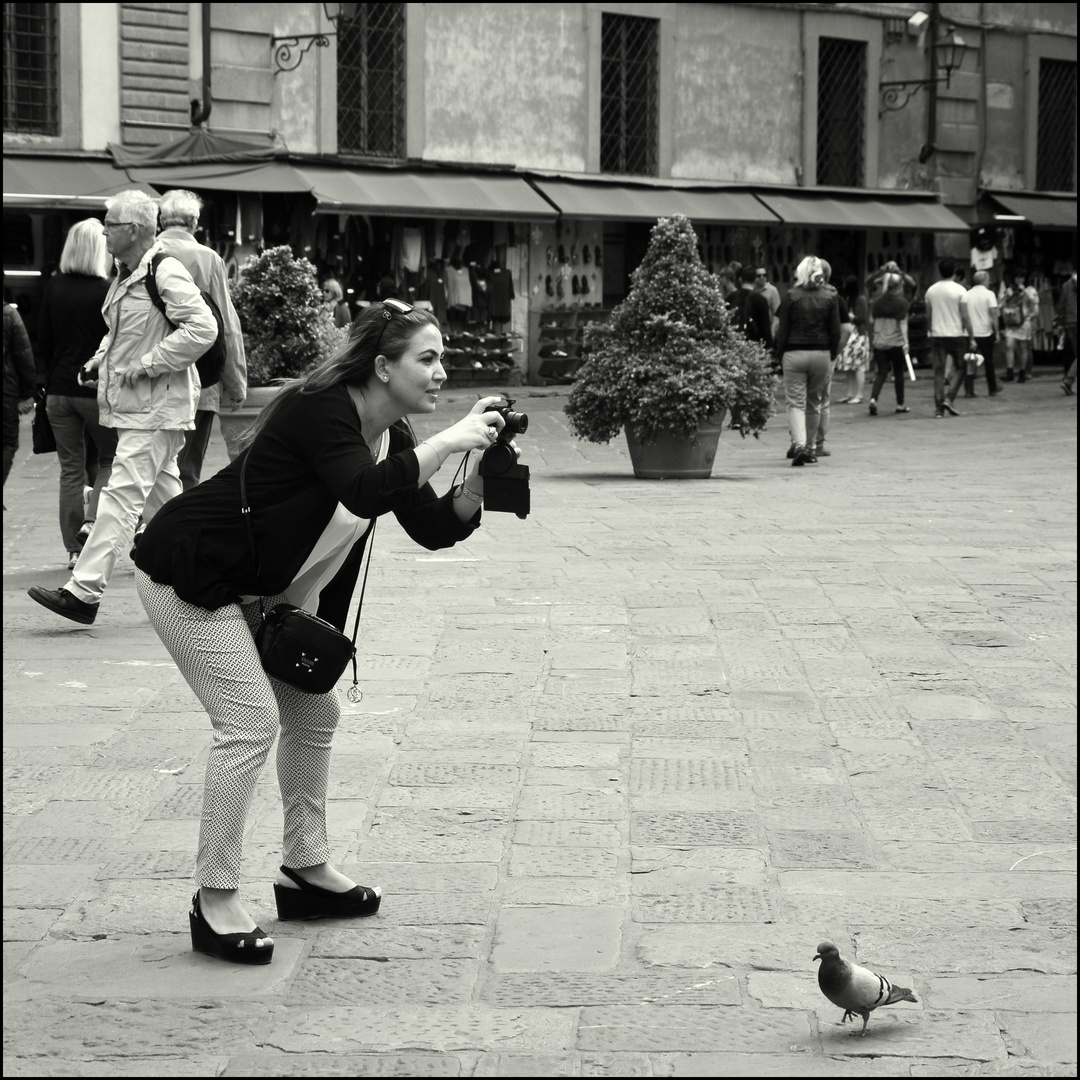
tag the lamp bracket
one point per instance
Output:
(287, 60)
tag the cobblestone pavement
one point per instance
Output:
(619, 768)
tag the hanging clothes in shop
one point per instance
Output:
(458, 290)
(412, 244)
(478, 278)
(434, 290)
(500, 292)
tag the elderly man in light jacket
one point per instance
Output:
(179, 220)
(147, 388)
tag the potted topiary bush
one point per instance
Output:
(286, 327)
(669, 364)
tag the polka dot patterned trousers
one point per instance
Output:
(215, 652)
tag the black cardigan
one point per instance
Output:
(310, 456)
(70, 329)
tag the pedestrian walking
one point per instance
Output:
(981, 306)
(750, 310)
(70, 330)
(179, 219)
(846, 331)
(1019, 306)
(18, 381)
(763, 285)
(808, 341)
(1067, 314)
(889, 340)
(147, 389)
(949, 336)
(334, 302)
(330, 455)
(854, 358)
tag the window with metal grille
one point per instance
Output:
(1055, 158)
(629, 108)
(31, 83)
(841, 112)
(371, 81)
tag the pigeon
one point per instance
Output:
(856, 990)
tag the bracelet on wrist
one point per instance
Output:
(438, 456)
(469, 493)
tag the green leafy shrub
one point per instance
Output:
(669, 357)
(286, 328)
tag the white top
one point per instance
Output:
(981, 306)
(329, 552)
(331, 549)
(944, 299)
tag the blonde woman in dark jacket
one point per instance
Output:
(808, 341)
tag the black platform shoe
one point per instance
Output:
(315, 902)
(236, 948)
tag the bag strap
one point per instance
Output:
(152, 289)
(354, 692)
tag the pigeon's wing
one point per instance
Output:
(868, 989)
(898, 993)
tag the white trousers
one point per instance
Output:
(144, 478)
(215, 652)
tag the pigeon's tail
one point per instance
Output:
(899, 993)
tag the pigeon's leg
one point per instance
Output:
(865, 1021)
(849, 1015)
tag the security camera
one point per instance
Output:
(917, 21)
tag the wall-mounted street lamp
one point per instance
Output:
(948, 53)
(286, 59)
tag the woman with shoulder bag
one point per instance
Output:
(70, 330)
(332, 453)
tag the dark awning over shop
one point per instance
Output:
(1042, 211)
(273, 176)
(424, 194)
(63, 183)
(199, 146)
(624, 202)
(852, 212)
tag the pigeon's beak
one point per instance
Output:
(817, 956)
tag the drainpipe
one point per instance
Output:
(931, 91)
(800, 166)
(200, 111)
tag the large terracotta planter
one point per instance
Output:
(674, 457)
(233, 424)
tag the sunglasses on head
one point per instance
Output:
(391, 307)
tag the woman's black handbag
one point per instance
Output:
(41, 431)
(299, 648)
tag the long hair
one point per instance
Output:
(809, 273)
(84, 250)
(354, 362)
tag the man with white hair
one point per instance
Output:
(147, 388)
(179, 220)
(981, 306)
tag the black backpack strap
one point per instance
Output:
(152, 289)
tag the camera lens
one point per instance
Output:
(518, 422)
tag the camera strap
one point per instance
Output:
(354, 692)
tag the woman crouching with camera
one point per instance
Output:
(331, 454)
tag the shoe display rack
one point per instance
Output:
(557, 339)
(485, 359)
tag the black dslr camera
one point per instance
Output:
(506, 483)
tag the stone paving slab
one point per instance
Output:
(625, 766)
